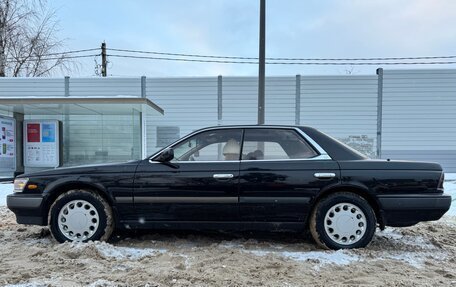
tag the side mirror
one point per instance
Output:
(166, 155)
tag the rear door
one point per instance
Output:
(280, 172)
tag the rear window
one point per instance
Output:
(270, 144)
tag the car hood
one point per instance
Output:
(125, 167)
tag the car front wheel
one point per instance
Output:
(81, 215)
(342, 220)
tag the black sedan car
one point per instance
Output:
(276, 178)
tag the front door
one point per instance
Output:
(199, 184)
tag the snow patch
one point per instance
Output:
(30, 284)
(46, 241)
(450, 176)
(423, 249)
(416, 256)
(450, 188)
(320, 258)
(416, 259)
(340, 257)
(103, 283)
(110, 251)
(394, 234)
(5, 189)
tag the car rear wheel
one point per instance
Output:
(81, 215)
(342, 220)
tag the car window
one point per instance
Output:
(219, 145)
(268, 144)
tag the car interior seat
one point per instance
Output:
(255, 155)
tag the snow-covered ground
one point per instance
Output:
(450, 188)
(5, 189)
(424, 252)
(422, 255)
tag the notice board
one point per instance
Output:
(41, 143)
(7, 144)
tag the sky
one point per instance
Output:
(294, 28)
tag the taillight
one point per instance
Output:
(442, 179)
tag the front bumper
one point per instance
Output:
(407, 210)
(28, 208)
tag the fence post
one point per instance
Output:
(67, 86)
(298, 101)
(143, 121)
(219, 100)
(379, 111)
(66, 125)
(143, 87)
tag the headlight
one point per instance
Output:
(19, 184)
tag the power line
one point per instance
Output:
(60, 53)
(281, 63)
(361, 63)
(365, 59)
(182, 59)
(72, 52)
(33, 59)
(282, 58)
(245, 60)
(182, 55)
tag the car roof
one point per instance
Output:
(253, 126)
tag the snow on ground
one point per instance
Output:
(5, 189)
(424, 253)
(107, 251)
(450, 188)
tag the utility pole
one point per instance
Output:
(104, 62)
(261, 69)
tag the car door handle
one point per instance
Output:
(324, 175)
(223, 176)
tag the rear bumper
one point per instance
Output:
(407, 210)
(28, 208)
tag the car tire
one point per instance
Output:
(81, 215)
(342, 220)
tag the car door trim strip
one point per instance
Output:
(185, 199)
(213, 199)
(279, 200)
(124, 199)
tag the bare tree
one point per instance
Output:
(28, 43)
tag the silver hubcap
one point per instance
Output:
(78, 220)
(345, 223)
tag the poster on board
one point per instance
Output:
(7, 144)
(41, 143)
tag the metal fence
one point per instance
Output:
(400, 114)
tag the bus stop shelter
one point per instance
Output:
(90, 129)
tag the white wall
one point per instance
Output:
(419, 116)
(32, 87)
(342, 106)
(189, 104)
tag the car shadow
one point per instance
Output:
(212, 236)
